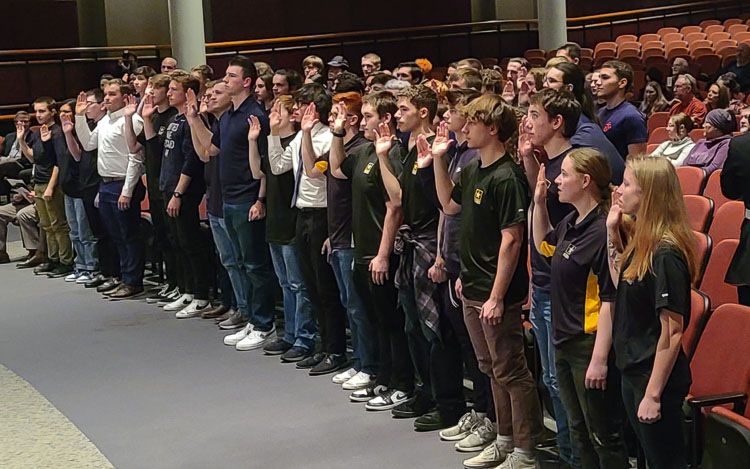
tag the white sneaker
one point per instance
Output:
(516, 460)
(233, 339)
(256, 339)
(462, 429)
(72, 277)
(482, 434)
(195, 308)
(183, 300)
(387, 401)
(344, 376)
(359, 381)
(491, 456)
(84, 277)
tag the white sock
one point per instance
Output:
(202, 303)
(524, 452)
(505, 442)
(482, 415)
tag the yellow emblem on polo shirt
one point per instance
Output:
(415, 168)
(478, 196)
(369, 167)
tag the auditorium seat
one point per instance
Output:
(666, 30)
(705, 23)
(701, 51)
(700, 309)
(727, 440)
(729, 22)
(699, 209)
(697, 134)
(670, 37)
(658, 135)
(741, 37)
(737, 28)
(718, 36)
(691, 29)
(714, 28)
(625, 38)
(704, 244)
(713, 283)
(691, 179)
(713, 190)
(697, 36)
(651, 147)
(709, 64)
(728, 218)
(648, 37)
(700, 43)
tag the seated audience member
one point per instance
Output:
(347, 82)
(679, 67)
(679, 145)
(311, 65)
(317, 78)
(571, 51)
(556, 60)
(285, 81)
(12, 160)
(592, 82)
(737, 97)
(621, 122)
(376, 82)
(168, 65)
(370, 64)
(740, 66)
(517, 69)
(409, 72)
(653, 100)
(264, 91)
(709, 153)
(204, 73)
(336, 65)
(263, 68)
(465, 78)
(684, 91)
(492, 81)
(717, 97)
(395, 86)
(533, 82)
(745, 119)
(21, 198)
(470, 62)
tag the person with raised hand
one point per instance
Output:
(491, 195)
(582, 315)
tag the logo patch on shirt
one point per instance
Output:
(607, 127)
(569, 251)
(369, 167)
(415, 168)
(478, 196)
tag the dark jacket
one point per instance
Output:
(735, 184)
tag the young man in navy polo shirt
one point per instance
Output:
(622, 123)
(244, 205)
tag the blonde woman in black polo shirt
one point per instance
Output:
(582, 299)
(652, 263)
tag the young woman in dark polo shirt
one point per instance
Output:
(582, 300)
(652, 263)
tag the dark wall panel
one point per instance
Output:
(36, 24)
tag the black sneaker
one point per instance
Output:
(435, 420)
(311, 361)
(277, 347)
(110, 284)
(60, 270)
(295, 354)
(44, 268)
(364, 395)
(420, 405)
(95, 281)
(332, 362)
(236, 321)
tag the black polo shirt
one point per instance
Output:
(237, 183)
(636, 327)
(179, 158)
(492, 199)
(580, 277)
(87, 170)
(45, 158)
(369, 196)
(68, 177)
(154, 149)
(339, 200)
(281, 217)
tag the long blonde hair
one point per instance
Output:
(661, 219)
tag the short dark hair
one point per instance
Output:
(383, 102)
(471, 62)
(188, 82)
(293, 78)
(267, 79)
(559, 103)
(247, 65)
(348, 81)
(380, 78)
(491, 109)
(622, 70)
(471, 76)
(461, 97)
(421, 97)
(414, 70)
(205, 71)
(97, 93)
(315, 93)
(22, 114)
(572, 48)
(47, 101)
(125, 88)
(144, 71)
(524, 63)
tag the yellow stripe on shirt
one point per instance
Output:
(546, 249)
(592, 305)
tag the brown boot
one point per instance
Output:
(4, 257)
(33, 261)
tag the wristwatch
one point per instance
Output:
(339, 135)
(261, 199)
(177, 195)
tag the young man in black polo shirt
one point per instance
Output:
(433, 346)
(492, 196)
(48, 194)
(550, 124)
(375, 220)
(243, 205)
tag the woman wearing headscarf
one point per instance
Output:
(709, 153)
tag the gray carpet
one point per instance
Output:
(151, 391)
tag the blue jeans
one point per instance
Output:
(299, 321)
(124, 229)
(363, 337)
(541, 320)
(83, 239)
(249, 241)
(231, 270)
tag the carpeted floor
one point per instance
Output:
(151, 391)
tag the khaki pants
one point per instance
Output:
(53, 222)
(500, 353)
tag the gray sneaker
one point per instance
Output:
(518, 461)
(462, 429)
(491, 456)
(482, 434)
(236, 321)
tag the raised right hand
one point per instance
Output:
(148, 107)
(424, 152)
(44, 133)
(340, 110)
(274, 118)
(383, 139)
(540, 191)
(81, 104)
(131, 106)
(66, 123)
(614, 218)
(191, 104)
(254, 131)
(20, 131)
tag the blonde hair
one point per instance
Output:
(661, 219)
(592, 162)
(490, 109)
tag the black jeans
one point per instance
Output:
(312, 231)
(191, 252)
(743, 295)
(454, 315)
(109, 256)
(437, 360)
(381, 304)
(162, 242)
(594, 416)
(663, 441)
